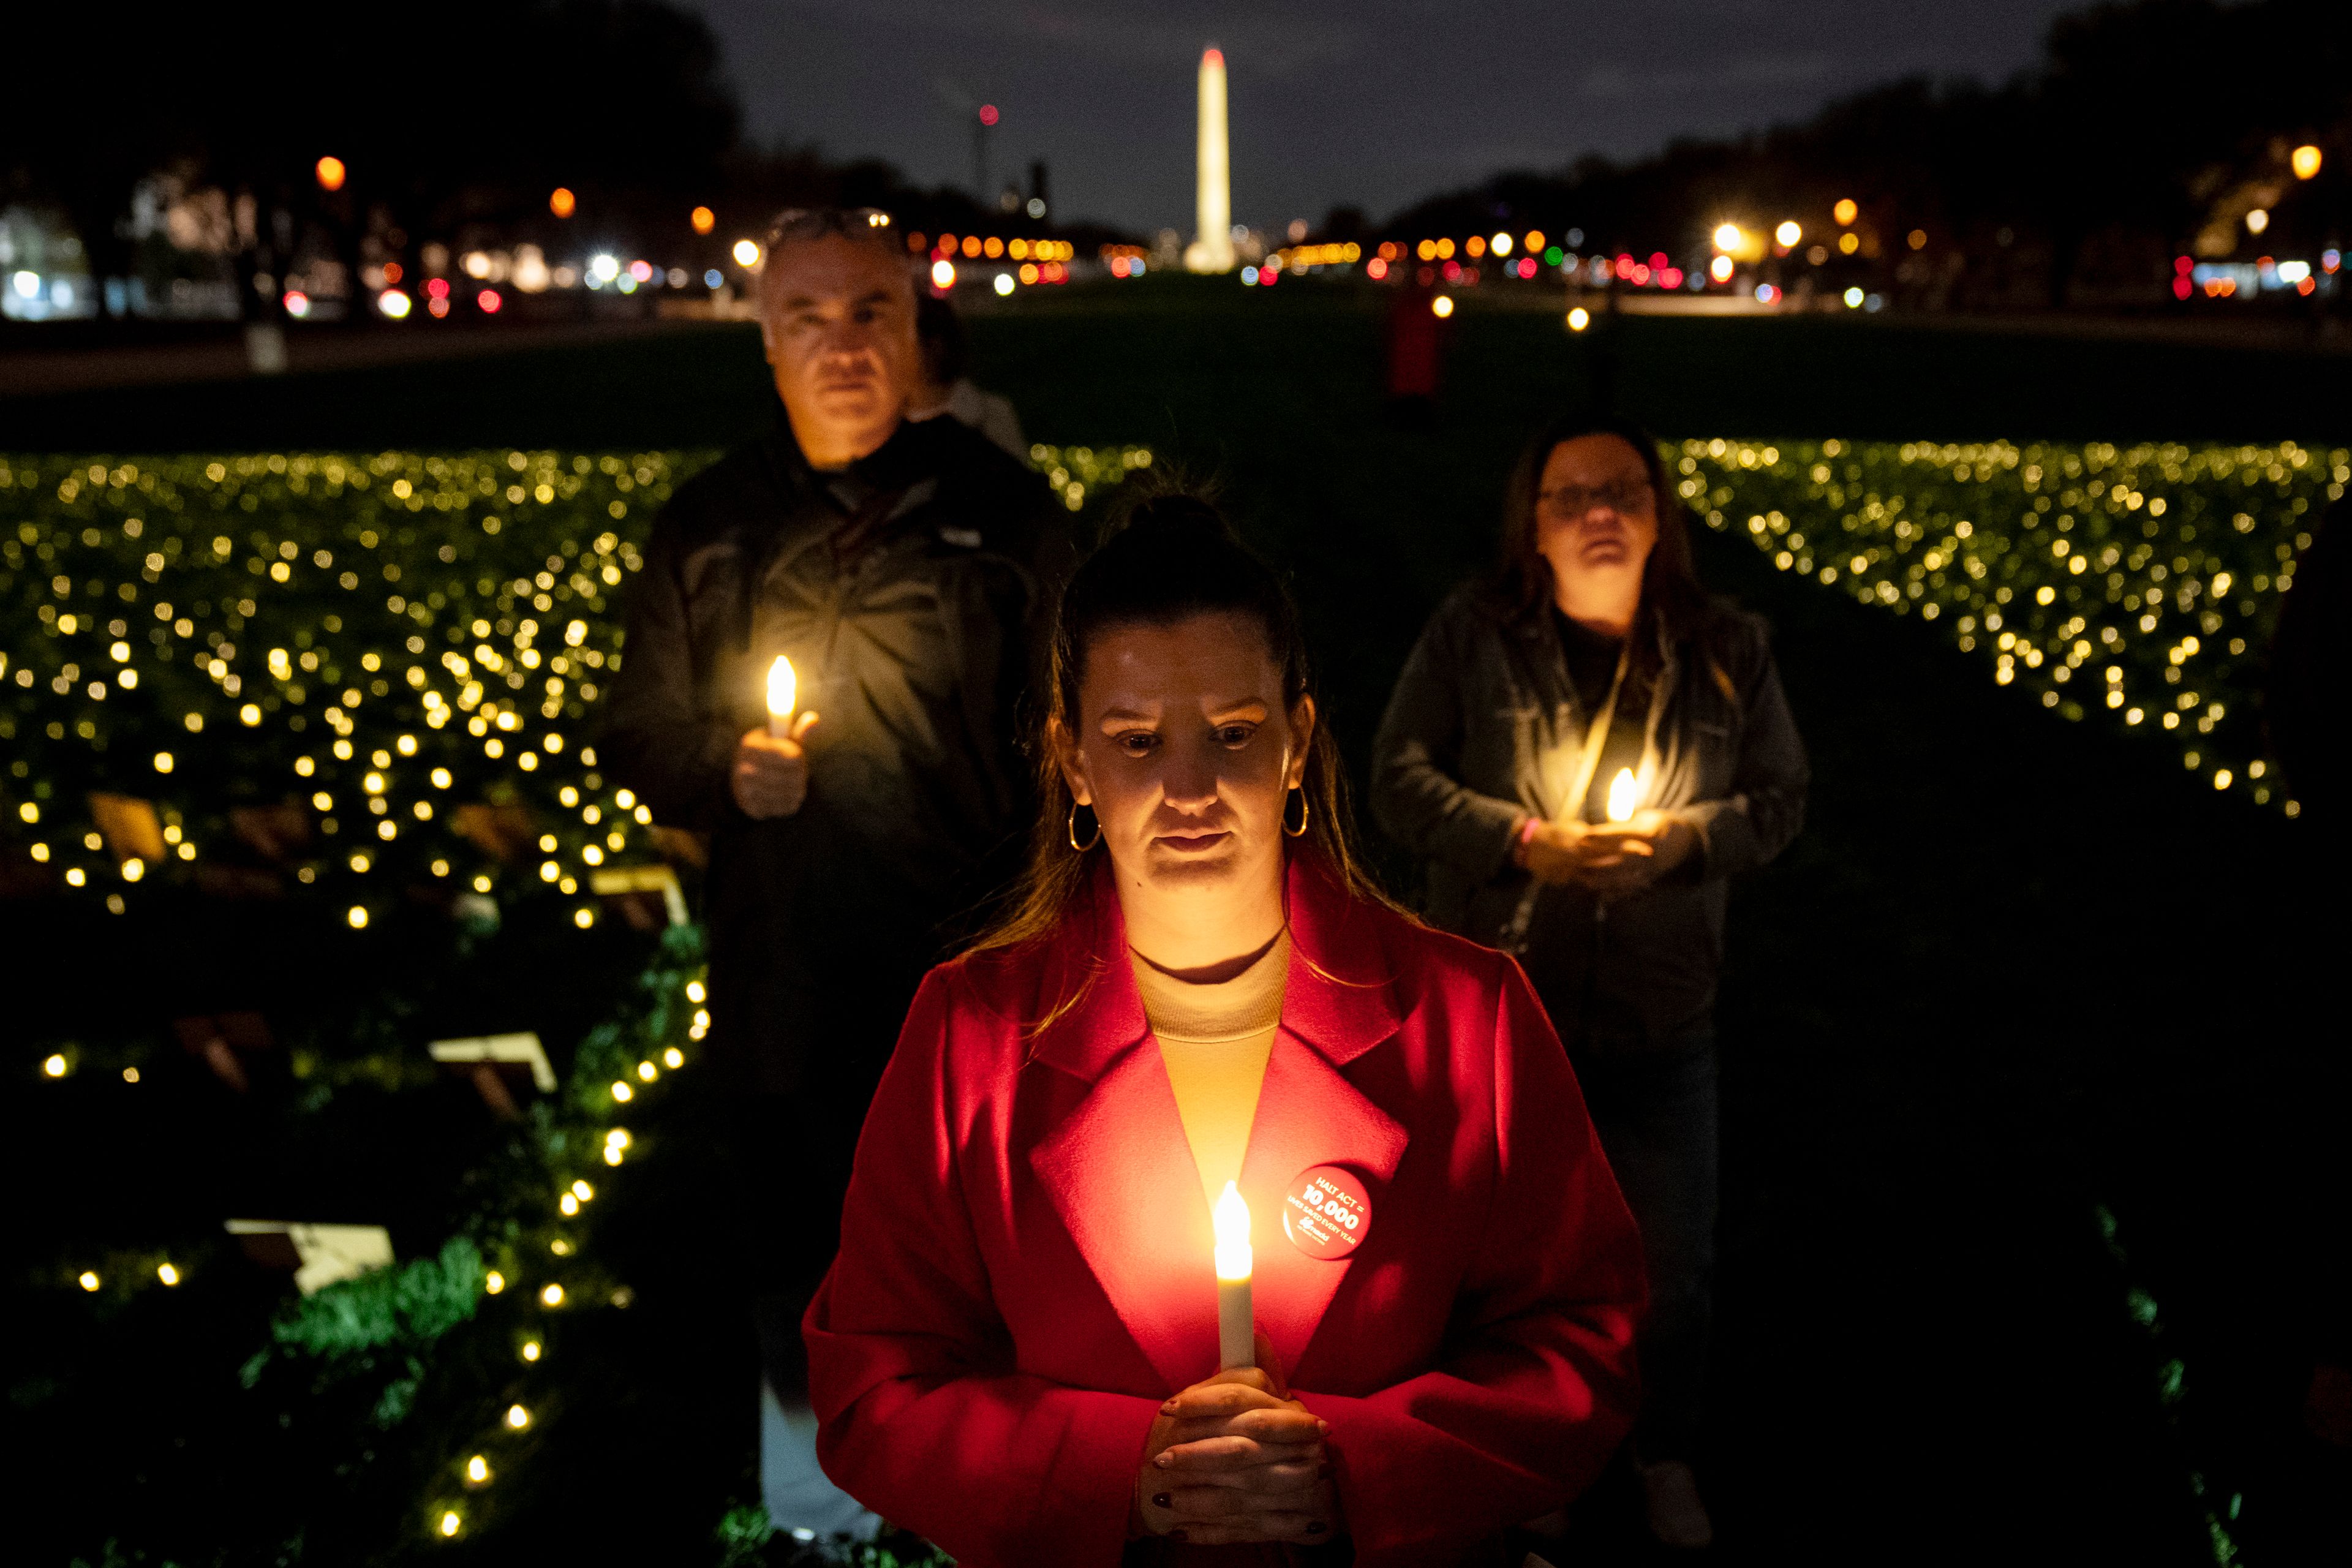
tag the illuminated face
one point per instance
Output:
(1182, 748)
(1596, 515)
(838, 317)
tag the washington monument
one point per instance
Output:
(1212, 250)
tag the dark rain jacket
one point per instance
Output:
(903, 589)
(1484, 729)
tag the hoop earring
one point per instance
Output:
(1081, 848)
(1305, 810)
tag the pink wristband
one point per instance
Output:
(1527, 829)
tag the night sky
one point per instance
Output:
(1366, 103)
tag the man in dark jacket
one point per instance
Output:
(899, 567)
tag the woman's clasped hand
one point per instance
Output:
(1234, 1459)
(1615, 859)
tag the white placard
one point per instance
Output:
(613, 880)
(328, 1253)
(500, 1048)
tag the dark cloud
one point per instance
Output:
(1368, 102)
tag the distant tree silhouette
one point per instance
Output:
(2147, 125)
(439, 122)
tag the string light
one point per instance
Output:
(552, 1294)
(315, 653)
(414, 608)
(2142, 583)
(574, 1193)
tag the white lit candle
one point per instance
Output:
(1236, 1339)
(1622, 794)
(783, 692)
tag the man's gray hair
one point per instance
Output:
(860, 225)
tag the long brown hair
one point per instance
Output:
(1172, 556)
(1675, 606)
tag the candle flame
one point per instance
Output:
(1621, 796)
(1622, 791)
(784, 687)
(1232, 1217)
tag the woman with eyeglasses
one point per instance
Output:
(1582, 750)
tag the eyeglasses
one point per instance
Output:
(822, 223)
(1618, 495)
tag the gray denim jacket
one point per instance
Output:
(1484, 729)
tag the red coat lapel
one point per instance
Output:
(1307, 1115)
(1338, 1002)
(1122, 1178)
(1118, 1167)
(1120, 1172)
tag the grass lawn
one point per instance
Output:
(2016, 969)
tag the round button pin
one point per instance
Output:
(1326, 1212)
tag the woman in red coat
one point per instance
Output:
(1017, 1351)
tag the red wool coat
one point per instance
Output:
(1025, 1264)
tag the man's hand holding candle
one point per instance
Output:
(770, 774)
(1235, 1458)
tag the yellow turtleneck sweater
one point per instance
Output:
(1214, 1041)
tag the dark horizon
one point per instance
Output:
(1329, 109)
